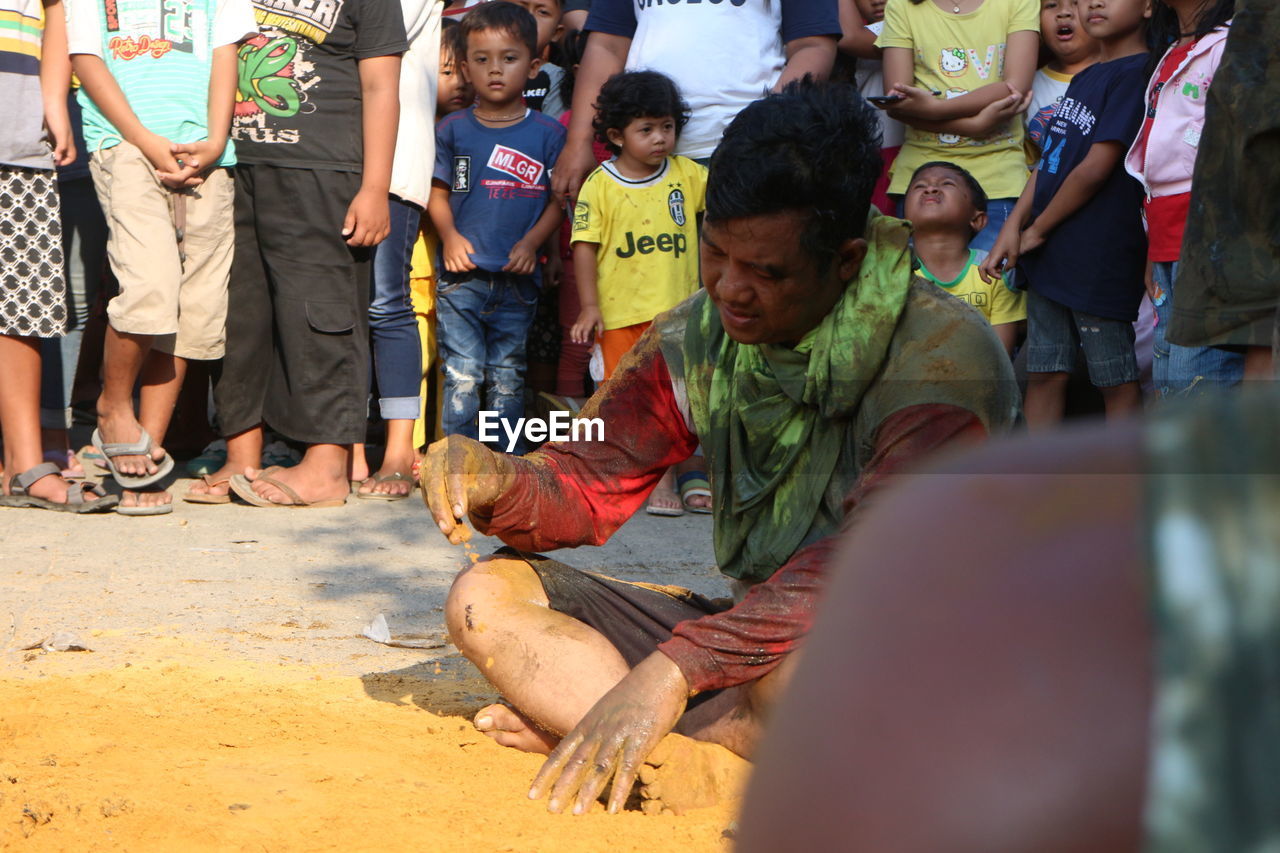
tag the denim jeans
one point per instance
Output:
(483, 320)
(84, 248)
(397, 352)
(1186, 371)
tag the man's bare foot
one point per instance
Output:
(157, 497)
(119, 426)
(508, 727)
(683, 774)
(311, 484)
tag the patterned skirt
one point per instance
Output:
(33, 293)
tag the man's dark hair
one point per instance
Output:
(636, 94)
(976, 194)
(813, 148)
(503, 17)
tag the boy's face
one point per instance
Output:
(938, 199)
(646, 140)
(453, 91)
(546, 13)
(1112, 20)
(497, 65)
(1062, 33)
(871, 10)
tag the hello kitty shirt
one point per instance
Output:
(956, 54)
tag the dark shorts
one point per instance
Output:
(1055, 333)
(634, 617)
(297, 354)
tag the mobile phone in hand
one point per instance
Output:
(885, 100)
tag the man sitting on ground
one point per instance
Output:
(812, 367)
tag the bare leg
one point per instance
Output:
(58, 441)
(398, 459)
(694, 463)
(123, 357)
(244, 454)
(20, 415)
(321, 476)
(664, 495)
(1121, 401)
(161, 378)
(1258, 363)
(358, 470)
(1046, 399)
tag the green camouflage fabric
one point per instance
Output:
(1214, 528)
(1228, 286)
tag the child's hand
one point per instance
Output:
(522, 260)
(916, 103)
(201, 157)
(589, 320)
(58, 130)
(995, 115)
(368, 219)
(1002, 257)
(1031, 240)
(553, 270)
(457, 253)
(1149, 281)
(159, 153)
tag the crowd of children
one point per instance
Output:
(290, 204)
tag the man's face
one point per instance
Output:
(546, 13)
(768, 289)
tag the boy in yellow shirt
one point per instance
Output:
(946, 206)
(635, 235)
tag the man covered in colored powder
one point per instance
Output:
(812, 367)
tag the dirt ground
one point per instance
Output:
(228, 700)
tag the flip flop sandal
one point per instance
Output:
(208, 497)
(76, 492)
(64, 459)
(243, 487)
(141, 447)
(694, 484)
(151, 509)
(397, 477)
(668, 511)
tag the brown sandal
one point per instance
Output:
(243, 487)
(76, 492)
(209, 497)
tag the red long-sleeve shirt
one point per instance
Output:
(578, 493)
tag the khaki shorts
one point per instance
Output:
(183, 302)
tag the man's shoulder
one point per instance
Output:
(933, 321)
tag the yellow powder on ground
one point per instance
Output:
(205, 754)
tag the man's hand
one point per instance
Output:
(523, 259)
(614, 738)
(196, 159)
(460, 474)
(572, 167)
(368, 220)
(457, 253)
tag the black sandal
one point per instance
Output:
(76, 492)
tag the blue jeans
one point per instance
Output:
(1186, 371)
(482, 321)
(998, 210)
(397, 351)
(84, 249)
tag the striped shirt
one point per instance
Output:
(160, 52)
(21, 134)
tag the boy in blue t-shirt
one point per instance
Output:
(1083, 254)
(492, 207)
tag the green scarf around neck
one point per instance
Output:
(773, 419)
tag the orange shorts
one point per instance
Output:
(615, 343)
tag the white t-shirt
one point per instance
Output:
(722, 55)
(1047, 90)
(869, 74)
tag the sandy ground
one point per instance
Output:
(229, 701)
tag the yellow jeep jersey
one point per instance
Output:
(647, 260)
(998, 302)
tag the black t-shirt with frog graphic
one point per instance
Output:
(299, 101)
